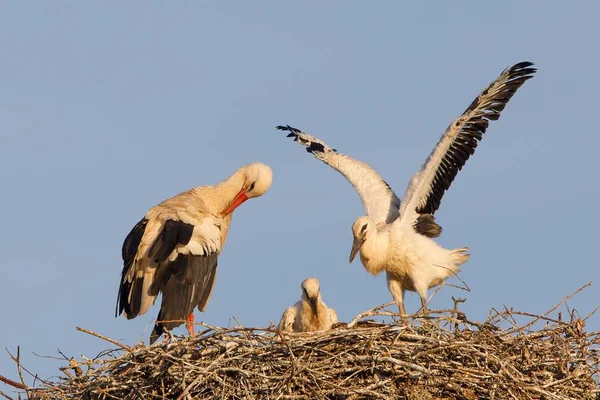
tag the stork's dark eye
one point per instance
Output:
(251, 188)
(363, 229)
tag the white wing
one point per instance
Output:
(333, 316)
(428, 185)
(380, 202)
(286, 324)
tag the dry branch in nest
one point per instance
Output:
(441, 355)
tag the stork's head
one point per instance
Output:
(256, 178)
(361, 227)
(311, 292)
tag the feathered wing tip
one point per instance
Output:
(380, 202)
(313, 145)
(499, 92)
(462, 136)
(128, 252)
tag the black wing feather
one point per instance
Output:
(185, 283)
(128, 251)
(172, 234)
(472, 132)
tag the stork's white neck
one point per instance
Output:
(222, 194)
(312, 320)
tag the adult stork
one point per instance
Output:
(396, 236)
(174, 248)
(310, 314)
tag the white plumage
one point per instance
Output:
(396, 236)
(310, 314)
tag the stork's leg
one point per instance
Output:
(190, 324)
(423, 305)
(422, 291)
(402, 311)
(395, 288)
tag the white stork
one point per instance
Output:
(396, 235)
(174, 248)
(310, 314)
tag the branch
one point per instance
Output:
(121, 345)
(12, 383)
(372, 312)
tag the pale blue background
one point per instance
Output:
(107, 109)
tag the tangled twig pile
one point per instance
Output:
(441, 355)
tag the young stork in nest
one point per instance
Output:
(310, 314)
(396, 236)
(174, 248)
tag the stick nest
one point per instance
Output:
(441, 355)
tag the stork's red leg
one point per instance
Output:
(190, 324)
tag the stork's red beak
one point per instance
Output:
(237, 201)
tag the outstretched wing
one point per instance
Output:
(379, 201)
(458, 143)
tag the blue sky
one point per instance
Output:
(107, 109)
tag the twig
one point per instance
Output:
(189, 387)
(530, 323)
(121, 345)
(369, 313)
(466, 288)
(19, 369)
(5, 395)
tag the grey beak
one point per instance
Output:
(356, 245)
(313, 304)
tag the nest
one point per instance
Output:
(438, 355)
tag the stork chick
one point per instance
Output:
(310, 314)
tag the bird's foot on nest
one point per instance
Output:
(402, 312)
(169, 338)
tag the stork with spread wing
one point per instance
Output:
(396, 236)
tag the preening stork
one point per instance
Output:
(174, 248)
(310, 314)
(396, 236)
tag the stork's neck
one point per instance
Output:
(374, 250)
(223, 193)
(321, 317)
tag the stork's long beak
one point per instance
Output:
(237, 201)
(356, 244)
(313, 305)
